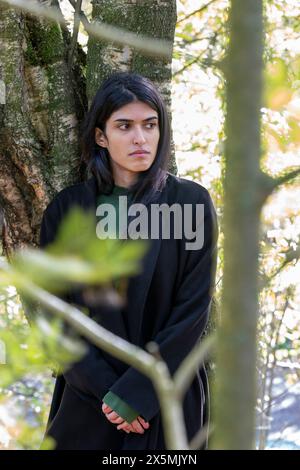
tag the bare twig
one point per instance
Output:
(287, 177)
(196, 11)
(290, 256)
(270, 184)
(204, 62)
(186, 371)
(187, 42)
(83, 18)
(200, 437)
(75, 31)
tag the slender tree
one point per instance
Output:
(236, 355)
(246, 188)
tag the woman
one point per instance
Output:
(101, 402)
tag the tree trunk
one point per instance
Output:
(154, 18)
(46, 99)
(39, 141)
(234, 397)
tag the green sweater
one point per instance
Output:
(111, 399)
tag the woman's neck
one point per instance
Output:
(124, 178)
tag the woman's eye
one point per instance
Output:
(149, 125)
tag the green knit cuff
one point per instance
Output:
(120, 407)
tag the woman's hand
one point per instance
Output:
(138, 425)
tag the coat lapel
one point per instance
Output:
(138, 286)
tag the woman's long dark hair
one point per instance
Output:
(118, 90)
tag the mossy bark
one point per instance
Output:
(39, 152)
(154, 18)
(46, 99)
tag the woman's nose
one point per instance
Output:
(139, 136)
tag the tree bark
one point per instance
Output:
(39, 120)
(155, 18)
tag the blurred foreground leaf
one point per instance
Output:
(78, 257)
(43, 345)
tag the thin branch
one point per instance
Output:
(75, 32)
(102, 31)
(280, 395)
(275, 341)
(187, 42)
(187, 65)
(204, 62)
(287, 177)
(200, 437)
(196, 11)
(83, 18)
(290, 256)
(270, 184)
(212, 38)
(187, 369)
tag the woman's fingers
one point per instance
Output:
(133, 427)
(137, 426)
(144, 423)
(106, 408)
(117, 420)
(130, 428)
(127, 428)
(123, 426)
(112, 417)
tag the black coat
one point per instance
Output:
(168, 302)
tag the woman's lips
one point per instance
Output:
(139, 154)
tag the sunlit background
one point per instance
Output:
(198, 112)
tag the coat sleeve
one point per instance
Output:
(92, 376)
(120, 407)
(186, 322)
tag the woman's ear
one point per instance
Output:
(100, 138)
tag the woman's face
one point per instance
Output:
(132, 128)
